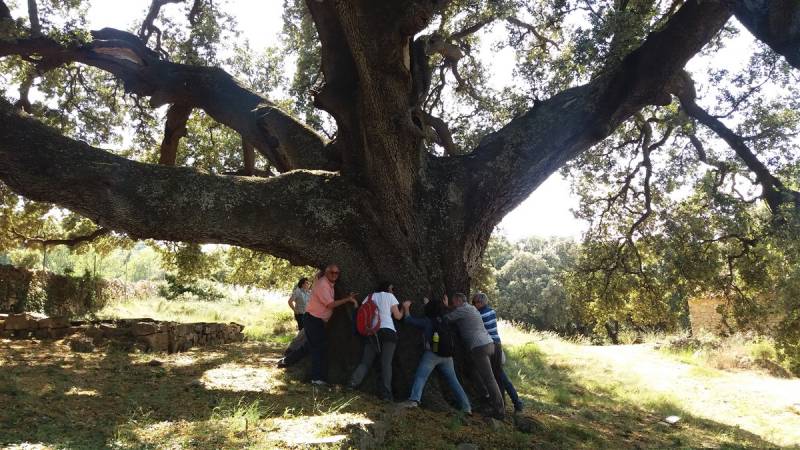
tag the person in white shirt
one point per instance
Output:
(299, 299)
(383, 343)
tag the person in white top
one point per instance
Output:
(383, 343)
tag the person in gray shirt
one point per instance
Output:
(481, 346)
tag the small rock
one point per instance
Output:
(155, 363)
(144, 329)
(672, 420)
(527, 424)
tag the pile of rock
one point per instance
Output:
(145, 334)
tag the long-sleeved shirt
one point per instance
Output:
(490, 322)
(470, 326)
(423, 323)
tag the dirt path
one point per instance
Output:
(758, 403)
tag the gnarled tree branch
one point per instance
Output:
(276, 215)
(510, 163)
(775, 193)
(147, 28)
(69, 242)
(287, 143)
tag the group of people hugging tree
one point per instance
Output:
(442, 322)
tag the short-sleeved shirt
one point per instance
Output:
(384, 301)
(300, 297)
(321, 297)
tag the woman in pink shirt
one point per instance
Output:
(319, 310)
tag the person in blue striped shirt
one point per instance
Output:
(489, 316)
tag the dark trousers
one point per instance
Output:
(500, 375)
(315, 332)
(384, 344)
(482, 358)
(299, 319)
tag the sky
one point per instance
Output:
(547, 212)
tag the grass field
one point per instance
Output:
(233, 396)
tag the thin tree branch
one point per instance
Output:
(69, 242)
(775, 193)
(147, 28)
(543, 40)
(33, 15)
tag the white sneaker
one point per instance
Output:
(319, 383)
(409, 404)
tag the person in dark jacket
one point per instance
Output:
(429, 324)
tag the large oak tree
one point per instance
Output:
(396, 191)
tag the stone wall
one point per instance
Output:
(145, 334)
(704, 314)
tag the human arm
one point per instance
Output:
(418, 322)
(291, 301)
(351, 298)
(396, 313)
(456, 314)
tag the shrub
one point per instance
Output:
(201, 289)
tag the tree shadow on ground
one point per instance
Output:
(232, 396)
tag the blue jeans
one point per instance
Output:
(427, 363)
(503, 382)
(509, 388)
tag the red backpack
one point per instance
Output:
(368, 321)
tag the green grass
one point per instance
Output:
(265, 314)
(232, 396)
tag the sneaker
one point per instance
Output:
(319, 383)
(282, 363)
(409, 404)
